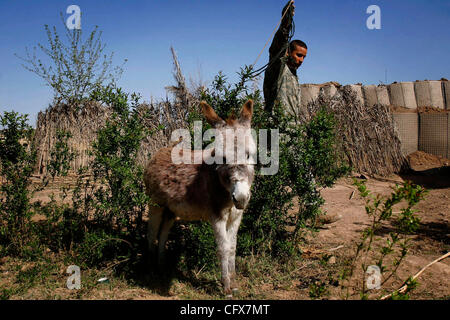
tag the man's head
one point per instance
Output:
(296, 53)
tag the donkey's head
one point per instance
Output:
(234, 152)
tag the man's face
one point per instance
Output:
(297, 56)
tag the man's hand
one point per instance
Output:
(289, 6)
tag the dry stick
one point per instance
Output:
(403, 289)
(351, 196)
(117, 263)
(197, 273)
(111, 239)
(305, 265)
(338, 247)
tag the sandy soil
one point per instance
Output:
(431, 242)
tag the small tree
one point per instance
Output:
(380, 211)
(75, 67)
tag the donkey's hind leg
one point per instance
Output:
(154, 225)
(167, 222)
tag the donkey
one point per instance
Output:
(214, 191)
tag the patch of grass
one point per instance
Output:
(318, 290)
(6, 293)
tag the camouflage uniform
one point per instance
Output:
(281, 83)
(281, 86)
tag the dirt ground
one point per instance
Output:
(432, 239)
(431, 242)
(323, 256)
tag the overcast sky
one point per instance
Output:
(224, 35)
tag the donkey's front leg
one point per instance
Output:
(233, 226)
(219, 226)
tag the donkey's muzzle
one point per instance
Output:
(240, 194)
(240, 201)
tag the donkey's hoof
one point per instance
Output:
(235, 291)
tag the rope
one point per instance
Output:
(273, 32)
(257, 72)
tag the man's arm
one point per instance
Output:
(278, 44)
(282, 35)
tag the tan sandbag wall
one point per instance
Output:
(417, 131)
(446, 93)
(370, 95)
(408, 131)
(429, 94)
(402, 95)
(309, 93)
(434, 134)
(411, 95)
(428, 132)
(383, 95)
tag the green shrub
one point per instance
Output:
(308, 161)
(112, 202)
(17, 160)
(60, 156)
(193, 245)
(104, 220)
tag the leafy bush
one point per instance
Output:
(17, 160)
(104, 220)
(194, 246)
(307, 162)
(113, 200)
(60, 156)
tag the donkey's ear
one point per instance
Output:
(210, 115)
(246, 113)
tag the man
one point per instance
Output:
(281, 82)
(280, 79)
